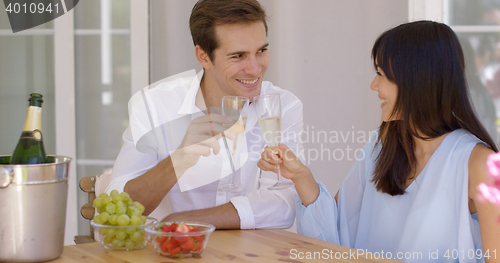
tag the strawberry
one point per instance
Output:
(167, 246)
(189, 244)
(174, 251)
(161, 239)
(182, 228)
(197, 247)
(169, 228)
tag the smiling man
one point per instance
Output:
(181, 184)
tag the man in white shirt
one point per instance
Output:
(180, 182)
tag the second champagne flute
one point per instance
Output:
(268, 109)
(235, 107)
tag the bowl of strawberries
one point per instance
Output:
(179, 239)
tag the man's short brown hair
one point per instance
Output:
(207, 14)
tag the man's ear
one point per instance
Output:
(202, 57)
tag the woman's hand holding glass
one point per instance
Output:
(290, 166)
(268, 109)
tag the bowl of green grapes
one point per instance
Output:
(120, 224)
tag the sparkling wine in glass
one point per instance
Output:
(268, 108)
(235, 107)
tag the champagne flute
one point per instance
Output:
(268, 109)
(235, 107)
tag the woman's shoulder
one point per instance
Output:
(465, 146)
(477, 160)
(461, 138)
(480, 154)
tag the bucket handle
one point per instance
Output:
(6, 177)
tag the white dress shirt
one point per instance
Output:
(159, 118)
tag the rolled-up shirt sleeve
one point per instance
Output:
(126, 165)
(266, 208)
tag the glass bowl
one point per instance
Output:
(131, 237)
(179, 240)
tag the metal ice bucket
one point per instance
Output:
(33, 209)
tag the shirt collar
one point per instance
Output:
(189, 106)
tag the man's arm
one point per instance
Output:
(150, 188)
(200, 140)
(222, 217)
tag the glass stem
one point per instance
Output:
(231, 177)
(230, 160)
(279, 173)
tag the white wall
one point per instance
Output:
(320, 50)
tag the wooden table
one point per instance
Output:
(230, 246)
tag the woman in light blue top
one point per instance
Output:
(411, 195)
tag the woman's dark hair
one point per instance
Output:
(207, 14)
(424, 59)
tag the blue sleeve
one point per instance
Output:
(319, 219)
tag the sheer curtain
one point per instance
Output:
(26, 66)
(478, 25)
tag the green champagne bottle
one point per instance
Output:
(29, 149)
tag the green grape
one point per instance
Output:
(133, 211)
(121, 234)
(117, 198)
(131, 230)
(120, 210)
(98, 203)
(110, 232)
(130, 210)
(125, 196)
(104, 216)
(135, 220)
(119, 203)
(107, 199)
(123, 220)
(137, 212)
(136, 236)
(111, 208)
(108, 240)
(118, 242)
(129, 243)
(97, 220)
(113, 219)
(139, 206)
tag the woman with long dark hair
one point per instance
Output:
(413, 189)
